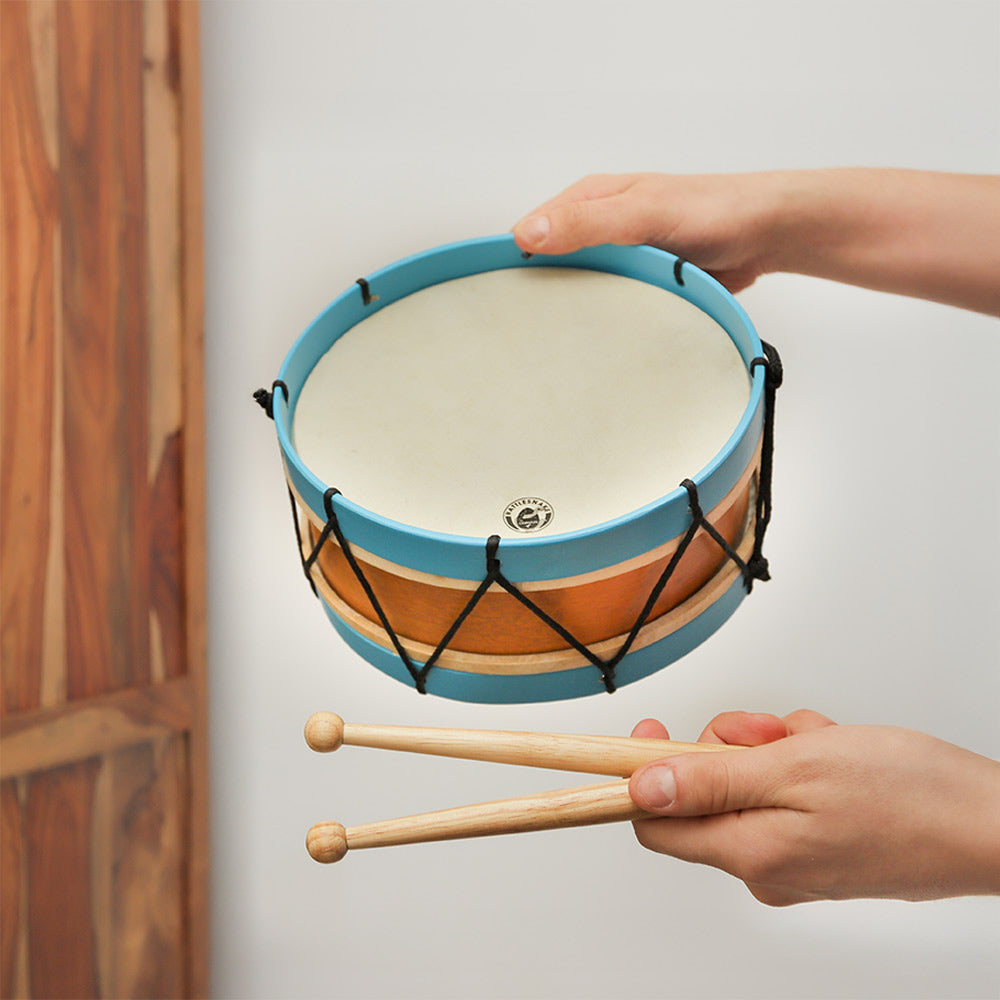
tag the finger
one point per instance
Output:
(725, 842)
(651, 729)
(565, 228)
(805, 721)
(709, 784)
(776, 895)
(704, 840)
(534, 229)
(626, 216)
(749, 729)
(592, 186)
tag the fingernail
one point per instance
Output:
(657, 788)
(535, 229)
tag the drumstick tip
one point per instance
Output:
(327, 842)
(325, 732)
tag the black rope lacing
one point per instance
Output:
(756, 568)
(773, 377)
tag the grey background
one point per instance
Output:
(341, 136)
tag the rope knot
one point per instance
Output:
(759, 569)
(265, 399)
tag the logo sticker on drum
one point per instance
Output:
(528, 514)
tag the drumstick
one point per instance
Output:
(617, 755)
(581, 806)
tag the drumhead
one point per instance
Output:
(521, 402)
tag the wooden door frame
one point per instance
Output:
(65, 732)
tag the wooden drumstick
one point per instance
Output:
(582, 806)
(617, 755)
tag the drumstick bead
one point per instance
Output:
(327, 842)
(325, 732)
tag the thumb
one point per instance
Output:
(569, 226)
(705, 784)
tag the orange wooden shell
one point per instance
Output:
(593, 608)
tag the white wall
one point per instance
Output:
(340, 136)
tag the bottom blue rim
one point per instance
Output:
(559, 685)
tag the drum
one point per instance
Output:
(521, 478)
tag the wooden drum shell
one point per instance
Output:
(501, 635)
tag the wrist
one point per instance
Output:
(981, 834)
(799, 218)
(962, 837)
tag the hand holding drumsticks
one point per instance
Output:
(821, 811)
(814, 811)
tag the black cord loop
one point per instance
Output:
(774, 375)
(266, 399)
(678, 264)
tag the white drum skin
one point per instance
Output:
(592, 392)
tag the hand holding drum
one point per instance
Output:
(589, 804)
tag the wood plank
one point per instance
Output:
(116, 828)
(147, 888)
(167, 555)
(164, 184)
(137, 870)
(185, 34)
(30, 538)
(102, 195)
(134, 338)
(101, 871)
(161, 139)
(12, 877)
(47, 738)
(57, 833)
(184, 19)
(53, 665)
